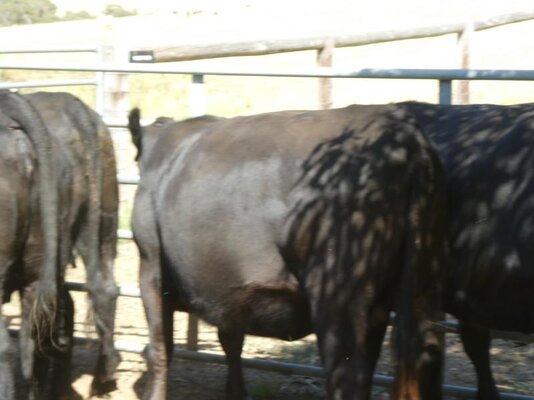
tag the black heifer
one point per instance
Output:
(229, 213)
(58, 196)
(85, 164)
(488, 155)
(28, 233)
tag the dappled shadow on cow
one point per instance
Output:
(488, 155)
(365, 237)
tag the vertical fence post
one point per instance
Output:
(197, 96)
(325, 58)
(192, 332)
(112, 89)
(445, 91)
(101, 81)
(464, 42)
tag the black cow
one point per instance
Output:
(28, 233)
(488, 155)
(82, 167)
(257, 223)
(86, 168)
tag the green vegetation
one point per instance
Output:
(20, 12)
(13, 12)
(117, 11)
(71, 16)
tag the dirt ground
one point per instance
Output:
(191, 380)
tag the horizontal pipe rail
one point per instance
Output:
(128, 179)
(452, 327)
(38, 84)
(315, 72)
(315, 371)
(124, 234)
(280, 367)
(126, 291)
(114, 122)
(50, 50)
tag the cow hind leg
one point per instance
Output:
(232, 344)
(103, 293)
(26, 342)
(7, 380)
(156, 351)
(52, 364)
(61, 387)
(350, 350)
(168, 330)
(476, 343)
(419, 346)
(104, 304)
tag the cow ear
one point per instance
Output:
(134, 125)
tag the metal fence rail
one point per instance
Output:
(311, 72)
(50, 50)
(49, 83)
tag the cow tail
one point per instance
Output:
(420, 292)
(87, 125)
(134, 125)
(44, 308)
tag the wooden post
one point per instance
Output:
(464, 39)
(192, 332)
(101, 80)
(112, 94)
(184, 50)
(112, 100)
(325, 58)
(117, 87)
